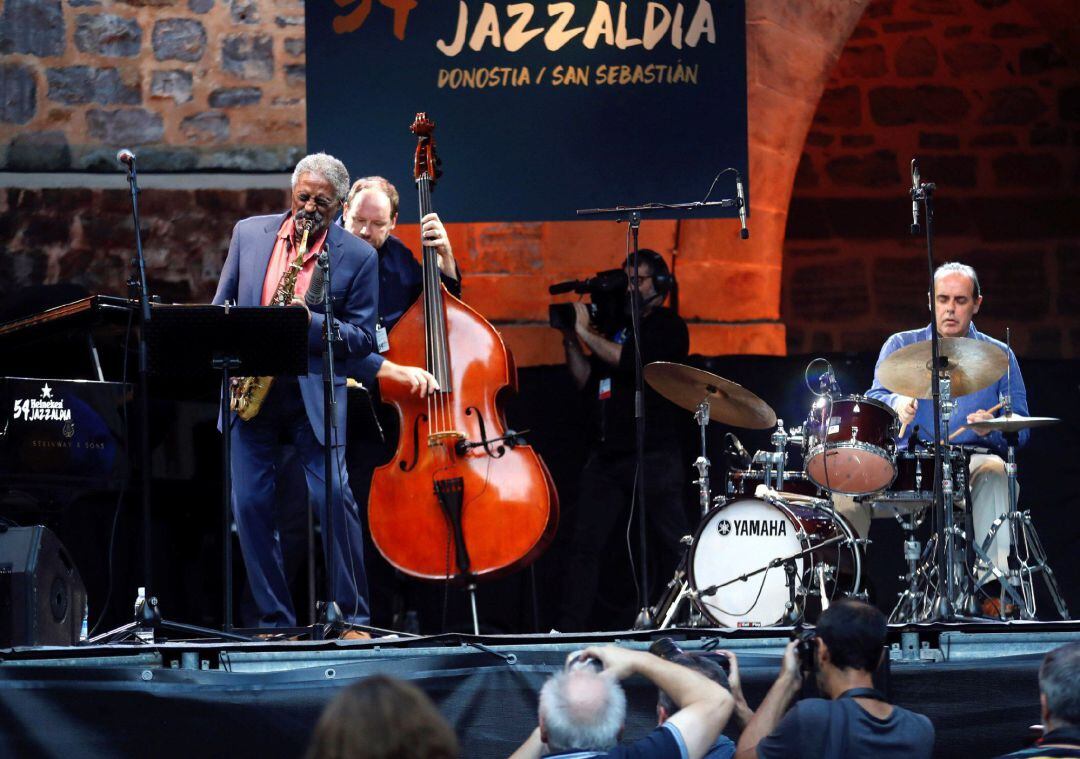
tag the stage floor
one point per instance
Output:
(977, 683)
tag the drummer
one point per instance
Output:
(958, 298)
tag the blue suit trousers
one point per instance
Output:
(255, 444)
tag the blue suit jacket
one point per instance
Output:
(355, 293)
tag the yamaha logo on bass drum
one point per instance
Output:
(753, 527)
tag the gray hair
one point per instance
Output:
(583, 710)
(327, 167)
(953, 267)
(1059, 681)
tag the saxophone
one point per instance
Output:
(248, 393)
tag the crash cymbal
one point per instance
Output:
(971, 364)
(1013, 423)
(729, 402)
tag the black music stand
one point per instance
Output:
(202, 341)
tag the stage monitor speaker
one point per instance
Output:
(42, 596)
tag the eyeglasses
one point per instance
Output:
(323, 204)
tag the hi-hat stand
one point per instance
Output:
(1027, 557)
(1026, 554)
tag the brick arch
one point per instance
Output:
(986, 93)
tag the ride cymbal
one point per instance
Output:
(970, 364)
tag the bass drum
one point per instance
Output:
(746, 534)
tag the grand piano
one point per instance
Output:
(63, 429)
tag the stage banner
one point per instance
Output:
(539, 108)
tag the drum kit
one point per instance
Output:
(773, 549)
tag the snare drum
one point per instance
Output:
(850, 447)
(746, 482)
(746, 534)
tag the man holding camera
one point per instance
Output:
(606, 377)
(855, 719)
(582, 709)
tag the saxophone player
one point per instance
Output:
(267, 264)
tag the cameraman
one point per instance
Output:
(606, 378)
(582, 709)
(855, 720)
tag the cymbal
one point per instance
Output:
(729, 402)
(1013, 423)
(971, 364)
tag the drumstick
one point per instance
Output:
(964, 427)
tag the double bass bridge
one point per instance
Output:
(441, 438)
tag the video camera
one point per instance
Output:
(607, 306)
(806, 648)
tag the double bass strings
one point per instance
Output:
(439, 415)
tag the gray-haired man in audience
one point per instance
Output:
(582, 709)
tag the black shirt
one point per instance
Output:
(610, 389)
(840, 728)
(401, 280)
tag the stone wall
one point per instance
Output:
(982, 93)
(201, 84)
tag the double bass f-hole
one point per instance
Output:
(407, 466)
(511, 439)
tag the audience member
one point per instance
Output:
(1059, 701)
(582, 709)
(855, 720)
(381, 717)
(724, 747)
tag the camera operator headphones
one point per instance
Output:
(661, 274)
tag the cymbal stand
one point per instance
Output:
(776, 462)
(667, 609)
(701, 463)
(947, 601)
(944, 603)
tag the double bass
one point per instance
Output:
(462, 498)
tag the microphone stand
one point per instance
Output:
(148, 619)
(645, 618)
(943, 608)
(137, 287)
(331, 618)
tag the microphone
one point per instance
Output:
(314, 294)
(827, 382)
(914, 197)
(740, 451)
(744, 232)
(126, 157)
